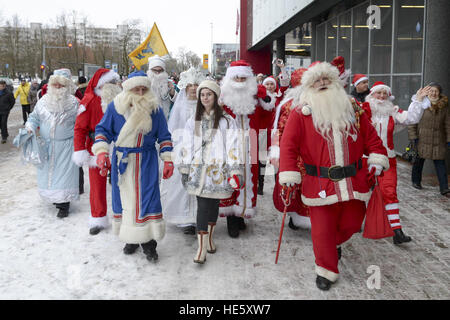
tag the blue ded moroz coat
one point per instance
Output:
(57, 178)
(134, 167)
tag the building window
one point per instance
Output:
(345, 36)
(381, 40)
(331, 39)
(360, 39)
(320, 43)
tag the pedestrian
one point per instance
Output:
(54, 115)
(331, 134)
(7, 102)
(432, 136)
(162, 87)
(239, 98)
(210, 163)
(82, 85)
(276, 94)
(33, 94)
(298, 212)
(102, 89)
(387, 118)
(23, 91)
(360, 89)
(179, 207)
(135, 122)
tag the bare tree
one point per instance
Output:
(187, 59)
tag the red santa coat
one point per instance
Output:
(301, 138)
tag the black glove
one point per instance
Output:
(184, 179)
(267, 99)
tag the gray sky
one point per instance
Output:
(181, 23)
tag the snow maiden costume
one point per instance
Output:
(135, 123)
(54, 115)
(178, 206)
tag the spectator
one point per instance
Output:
(360, 85)
(23, 91)
(6, 104)
(82, 85)
(432, 137)
(32, 96)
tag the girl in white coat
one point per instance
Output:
(210, 162)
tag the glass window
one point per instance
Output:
(331, 39)
(320, 42)
(298, 41)
(345, 34)
(409, 20)
(381, 40)
(360, 40)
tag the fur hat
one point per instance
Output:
(240, 68)
(135, 79)
(156, 61)
(191, 76)
(317, 70)
(62, 76)
(211, 85)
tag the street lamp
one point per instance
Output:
(69, 46)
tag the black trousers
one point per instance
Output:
(207, 211)
(4, 125)
(441, 172)
(25, 112)
(63, 206)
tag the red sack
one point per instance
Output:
(377, 225)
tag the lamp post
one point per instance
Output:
(69, 46)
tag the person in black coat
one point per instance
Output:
(360, 85)
(7, 102)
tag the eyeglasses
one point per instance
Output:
(157, 71)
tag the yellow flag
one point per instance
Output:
(153, 45)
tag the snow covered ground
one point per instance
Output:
(44, 257)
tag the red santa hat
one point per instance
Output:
(240, 68)
(380, 85)
(274, 81)
(296, 77)
(357, 78)
(344, 74)
(100, 77)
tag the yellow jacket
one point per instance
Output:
(23, 91)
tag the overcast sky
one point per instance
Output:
(181, 23)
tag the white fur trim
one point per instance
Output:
(107, 77)
(239, 71)
(237, 211)
(81, 157)
(101, 222)
(318, 70)
(100, 147)
(360, 80)
(330, 275)
(380, 159)
(166, 156)
(133, 82)
(81, 109)
(306, 110)
(290, 177)
(274, 152)
(314, 202)
(268, 106)
(153, 229)
(63, 81)
(380, 87)
(269, 79)
(392, 206)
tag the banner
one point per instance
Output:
(153, 45)
(205, 61)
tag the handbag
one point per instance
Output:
(411, 154)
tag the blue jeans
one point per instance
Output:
(441, 172)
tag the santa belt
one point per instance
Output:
(334, 173)
(125, 151)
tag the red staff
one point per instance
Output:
(286, 193)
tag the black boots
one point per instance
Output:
(339, 252)
(150, 250)
(323, 283)
(63, 209)
(234, 224)
(400, 237)
(292, 225)
(417, 186)
(261, 184)
(189, 230)
(130, 248)
(95, 230)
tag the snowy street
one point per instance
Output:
(44, 257)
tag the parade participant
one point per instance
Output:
(210, 163)
(7, 102)
(344, 74)
(162, 87)
(239, 97)
(23, 91)
(298, 212)
(54, 115)
(387, 119)
(100, 91)
(276, 94)
(135, 122)
(178, 206)
(82, 85)
(331, 134)
(360, 85)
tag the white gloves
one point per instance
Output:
(377, 167)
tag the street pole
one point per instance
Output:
(43, 61)
(212, 50)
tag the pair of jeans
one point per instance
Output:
(441, 172)
(207, 211)
(4, 125)
(25, 112)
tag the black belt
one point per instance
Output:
(335, 173)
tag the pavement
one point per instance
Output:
(242, 268)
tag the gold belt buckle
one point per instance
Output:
(333, 179)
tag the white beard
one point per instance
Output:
(160, 85)
(380, 108)
(239, 96)
(331, 110)
(58, 100)
(108, 93)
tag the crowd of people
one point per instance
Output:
(187, 151)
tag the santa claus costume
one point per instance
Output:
(387, 120)
(331, 135)
(297, 210)
(239, 97)
(100, 91)
(276, 94)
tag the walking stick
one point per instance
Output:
(286, 202)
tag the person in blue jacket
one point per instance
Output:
(135, 122)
